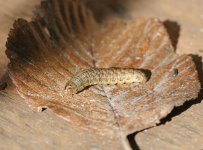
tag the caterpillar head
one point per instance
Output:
(71, 89)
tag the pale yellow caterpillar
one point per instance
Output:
(95, 76)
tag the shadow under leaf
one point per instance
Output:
(173, 29)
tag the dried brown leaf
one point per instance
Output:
(64, 38)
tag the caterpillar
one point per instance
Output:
(93, 76)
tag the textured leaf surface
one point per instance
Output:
(64, 38)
